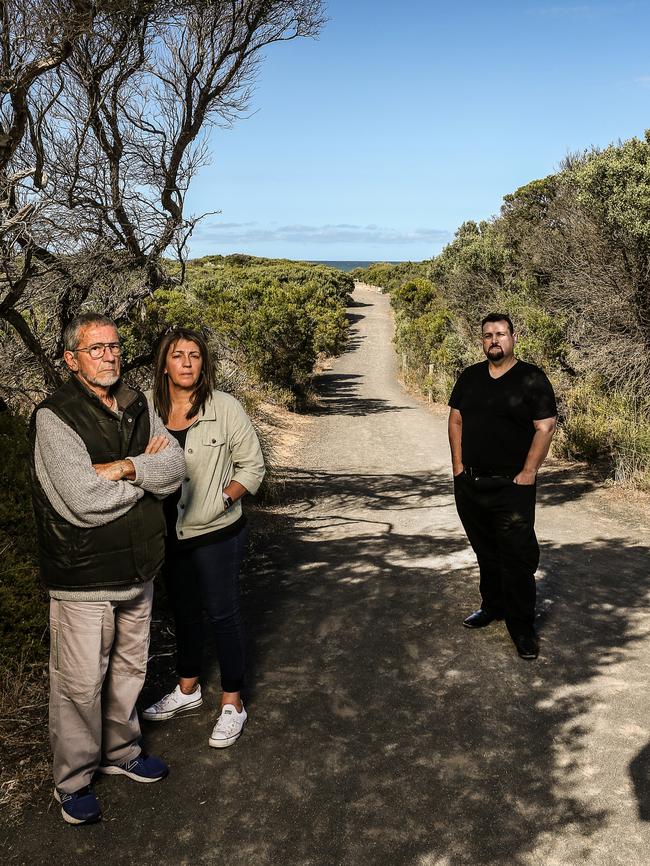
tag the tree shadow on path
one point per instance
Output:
(380, 730)
(419, 741)
(339, 394)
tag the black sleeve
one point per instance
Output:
(542, 403)
(456, 393)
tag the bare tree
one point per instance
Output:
(103, 121)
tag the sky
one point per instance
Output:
(401, 121)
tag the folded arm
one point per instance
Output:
(75, 490)
(158, 470)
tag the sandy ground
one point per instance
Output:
(381, 731)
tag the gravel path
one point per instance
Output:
(381, 732)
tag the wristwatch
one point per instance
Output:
(227, 501)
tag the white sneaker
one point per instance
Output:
(172, 704)
(229, 726)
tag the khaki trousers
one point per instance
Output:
(98, 661)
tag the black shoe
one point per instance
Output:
(527, 646)
(480, 618)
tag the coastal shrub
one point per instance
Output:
(266, 320)
(610, 427)
(237, 269)
(471, 270)
(415, 297)
(421, 338)
(390, 275)
(430, 339)
(274, 328)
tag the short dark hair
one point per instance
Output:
(72, 332)
(498, 317)
(207, 380)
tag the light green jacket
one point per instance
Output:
(221, 447)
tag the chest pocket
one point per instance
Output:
(214, 461)
(213, 440)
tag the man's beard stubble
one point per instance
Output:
(105, 380)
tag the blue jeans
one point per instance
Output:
(207, 579)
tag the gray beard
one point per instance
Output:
(105, 382)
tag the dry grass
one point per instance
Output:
(24, 748)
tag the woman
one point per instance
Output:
(206, 529)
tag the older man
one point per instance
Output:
(501, 423)
(101, 464)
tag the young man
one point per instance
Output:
(501, 422)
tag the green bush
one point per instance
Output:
(239, 269)
(430, 340)
(422, 338)
(415, 297)
(276, 318)
(614, 427)
(391, 275)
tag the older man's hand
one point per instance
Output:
(124, 470)
(117, 470)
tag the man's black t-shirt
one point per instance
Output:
(498, 414)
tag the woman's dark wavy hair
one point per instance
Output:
(205, 385)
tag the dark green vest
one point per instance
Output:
(129, 549)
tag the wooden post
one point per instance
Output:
(430, 394)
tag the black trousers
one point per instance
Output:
(499, 519)
(207, 579)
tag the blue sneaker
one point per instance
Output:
(82, 807)
(144, 768)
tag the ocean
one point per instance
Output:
(348, 266)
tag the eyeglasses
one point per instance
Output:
(96, 351)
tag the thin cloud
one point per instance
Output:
(339, 233)
(643, 80)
